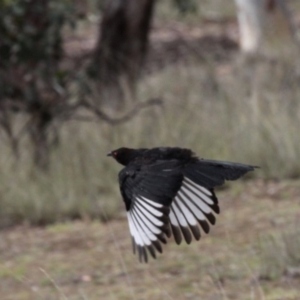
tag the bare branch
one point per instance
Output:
(131, 114)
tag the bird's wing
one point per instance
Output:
(211, 173)
(148, 192)
(195, 203)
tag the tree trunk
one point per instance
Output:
(261, 19)
(121, 48)
(251, 15)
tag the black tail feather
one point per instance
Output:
(211, 173)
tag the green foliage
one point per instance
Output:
(32, 80)
(31, 44)
(31, 30)
(186, 6)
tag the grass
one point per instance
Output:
(279, 252)
(93, 260)
(246, 111)
(223, 111)
(166, 11)
(232, 110)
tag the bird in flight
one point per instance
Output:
(169, 191)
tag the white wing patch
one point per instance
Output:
(191, 208)
(146, 225)
(150, 222)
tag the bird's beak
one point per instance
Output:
(109, 154)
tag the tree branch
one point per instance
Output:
(128, 116)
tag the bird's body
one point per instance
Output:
(170, 191)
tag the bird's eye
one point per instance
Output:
(115, 153)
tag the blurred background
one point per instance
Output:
(81, 78)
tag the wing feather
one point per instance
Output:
(192, 207)
(173, 195)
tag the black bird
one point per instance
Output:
(170, 191)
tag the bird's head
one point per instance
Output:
(122, 155)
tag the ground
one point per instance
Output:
(253, 252)
(93, 260)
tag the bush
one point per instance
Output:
(32, 82)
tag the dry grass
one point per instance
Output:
(235, 111)
(232, 110)
(92, 260)
(224, 112)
